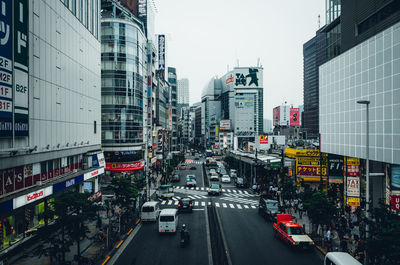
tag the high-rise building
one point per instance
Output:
(314, 54)
(172, 80)
(50, 137)
(367, 69)
(183, 91)
(124, 70)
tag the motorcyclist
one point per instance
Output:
(184, 232)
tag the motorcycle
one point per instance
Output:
(184, 238)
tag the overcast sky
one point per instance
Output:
(204, 37)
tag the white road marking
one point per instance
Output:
(176, 202)
(245, 192)
(203, 204)
(238, 205)
(174, 198)
(198, 209)
(224, 204)
(234, 191)
(252, 206)
(196, 203)
(163, 202)
(178, 197)
(240, 192)
(231, 205)
(202, 188)
(169, 202)
(245, 206)
(197, 188)
(223, 190)
(217, 204)
(228, 190)
(209, 203)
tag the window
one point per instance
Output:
(86, 23)
(66, 3)
(80, 10)
(73, 6)
(91, 15)
(95, 127)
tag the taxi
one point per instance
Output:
(291, 232)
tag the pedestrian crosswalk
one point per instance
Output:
(227, 205)
(241, 192)
(190, 161)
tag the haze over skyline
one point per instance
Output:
(204, 38)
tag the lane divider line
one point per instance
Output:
(130, 231)
(105, 261)
(320, 249)
(119, 244)
(138, 221)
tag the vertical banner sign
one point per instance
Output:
(149, 93)
(395, 183)
(6, 68)
(21, 68)
(161, 52)
(294, 117)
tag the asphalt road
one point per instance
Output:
(249, 238)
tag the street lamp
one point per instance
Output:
(366, 103)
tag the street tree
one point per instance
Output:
(383, 246)
(288, 190)
(320, 210)
(125, 192)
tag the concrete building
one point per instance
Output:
(367, 69)
(124, 86)
(172, 80)
(54, 143)
(267, 126)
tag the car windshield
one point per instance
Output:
(147, 209)
(239, 180)
(167, 218)
(273, 206)
(186, 202)
(295, 231)
(214, 186)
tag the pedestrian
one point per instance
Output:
(254, 188)
(356, 232)
(296, 205)
(300, 208)
(329, 239)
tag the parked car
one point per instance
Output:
(185, 204)
(175, 178)
(268, 208)
(225, 179)
(240, 183)
(215, 189)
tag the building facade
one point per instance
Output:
(55, 141)
(124, 71)
(368, 69)
(314, 54)
(172, 80)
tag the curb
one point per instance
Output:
(320, 249)
(118, 245)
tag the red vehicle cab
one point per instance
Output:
(291, 232)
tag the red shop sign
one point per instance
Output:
(396, 202)
(125, 166)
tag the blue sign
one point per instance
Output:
(6, 68)
(395, 177)
(161, 52)
(67, 184)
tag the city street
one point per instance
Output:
(248, 237)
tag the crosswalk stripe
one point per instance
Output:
(178, 197)
(169, 202)
(245, 206)
(223, 190)
(191, 197)
(240, 192)
(209, 203)
(163, 202)
(202, 188)
(224, 204)
(203, 204)
(197, 188)
(239, 206)
(231, 205)
(176, 202)
(234, 191)
(174, 198)
(245, 192)
(217, 204)
(252, 206)
(196, 203)
(192, 188)
(228, 190)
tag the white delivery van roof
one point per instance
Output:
(151, 203)
(342, 258)
(168, 212)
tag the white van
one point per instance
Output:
(340, 258)
(168, 221)
(150, 211)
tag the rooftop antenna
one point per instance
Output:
(319, 21)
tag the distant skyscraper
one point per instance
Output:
(183, 91)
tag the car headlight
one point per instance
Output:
(268, 212)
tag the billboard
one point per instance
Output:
(248, 77)
(309, 162)
(353, 187)
(244, 102)
(353, 167)
(395, 183)
(284, 115)
(263, 142)
(276, 116)
(225, 125)
(395, 202)
(294, 117)
(161, 52)
(6, 69)
(336, 168)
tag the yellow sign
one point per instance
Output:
(150, 154)
(216, 130)
(353, 201)
(291, 152)
(290, 172)
(352, 161)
